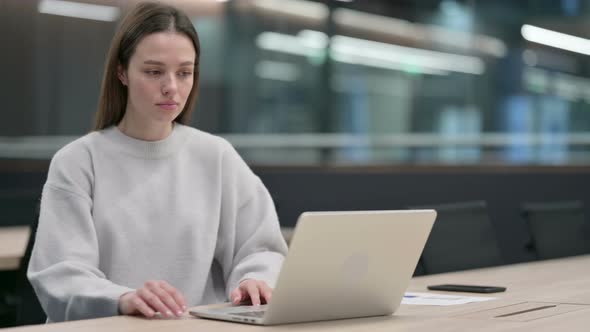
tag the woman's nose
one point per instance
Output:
(169, 85)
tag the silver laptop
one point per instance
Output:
(341, 265)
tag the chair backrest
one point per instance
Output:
(30, 310)
(419, 270)
(462, 238)
(558, 229)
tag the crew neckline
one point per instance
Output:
(148, 149)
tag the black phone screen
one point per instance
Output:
(467, 288)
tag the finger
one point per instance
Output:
(139, 304)
(176, 295)
(265, 291)
(167, 299)
(236, 296)
(154, 302)
(253, 292)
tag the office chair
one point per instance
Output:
(419, 270)
(8, 302)
(21, 306)
(462, 238)
(558, 229)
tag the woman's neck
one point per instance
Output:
(145, 131)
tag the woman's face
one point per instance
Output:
(159, 78)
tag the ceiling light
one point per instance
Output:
(79, 10)
(555, 39)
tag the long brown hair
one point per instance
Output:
(146, 18)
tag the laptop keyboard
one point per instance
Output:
(257, 314)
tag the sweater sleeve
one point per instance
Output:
(63, 268)
(250, 243)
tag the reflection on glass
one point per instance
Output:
(331, 82)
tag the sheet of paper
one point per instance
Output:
(440, 299)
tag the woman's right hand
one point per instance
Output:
(154, 296)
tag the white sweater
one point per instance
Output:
(117, 211)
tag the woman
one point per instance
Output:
(145, 214)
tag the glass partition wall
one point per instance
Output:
(299, 82)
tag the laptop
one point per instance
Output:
(340, 265)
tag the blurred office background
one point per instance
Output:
(328, 82)
(478, 108)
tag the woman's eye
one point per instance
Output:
(153, 72)
(185, 73)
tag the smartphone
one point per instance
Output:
(467, 288)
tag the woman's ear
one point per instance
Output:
(122, 75)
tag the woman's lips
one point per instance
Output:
(168, 106)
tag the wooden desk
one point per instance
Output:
(13, 242)
(564, 280)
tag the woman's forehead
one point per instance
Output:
(165, 48)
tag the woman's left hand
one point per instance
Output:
(256, 291)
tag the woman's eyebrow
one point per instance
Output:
(153, 62)
(159, 63)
